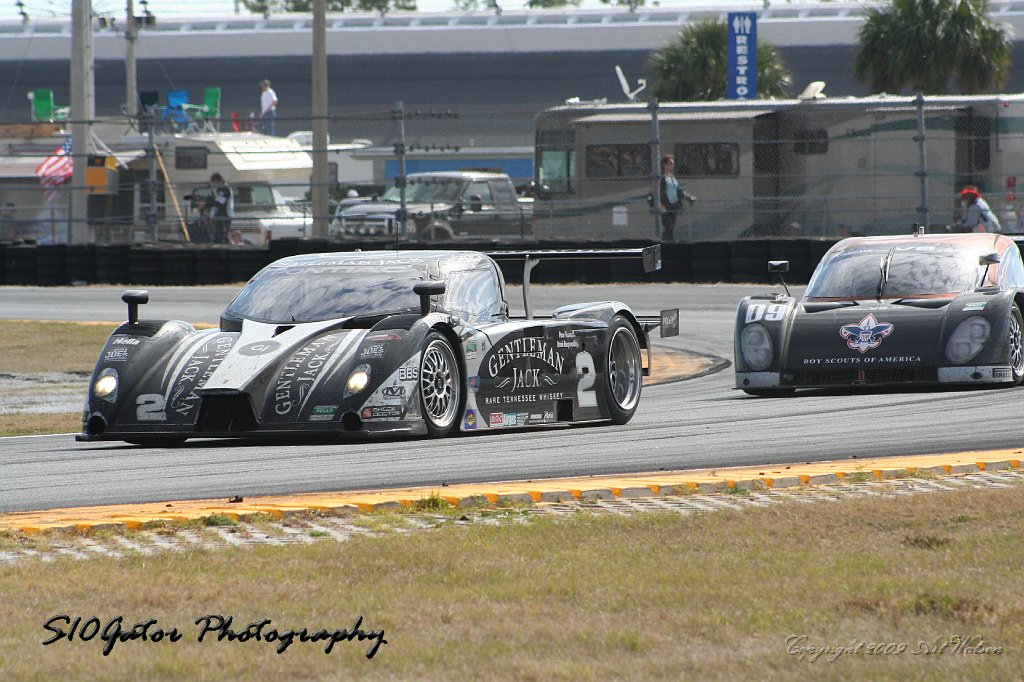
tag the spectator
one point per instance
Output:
(221, 208)
(268, 107)
(10, 228)
(671, 197)
(978, 217)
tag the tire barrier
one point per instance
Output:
(145, 266)
(178, 267)
(710, 261)
(80, 264)
(112, 263)
(748, 261)
(57, 265)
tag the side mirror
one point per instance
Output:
(778, 266)
(425, 290)
(476, 203)
(134, 298)
(990, 259)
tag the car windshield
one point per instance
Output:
(293, 295)
(427, 191)
(887, 271)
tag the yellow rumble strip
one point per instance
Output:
(521, 492)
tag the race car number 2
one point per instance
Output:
(769, 313)
(149, 407)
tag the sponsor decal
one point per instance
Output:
(408, 373)
(259, 348)
(116, 355)
(545, 417)
(469, 421)
(525, 370)
(879, 360)
(526, 347)
(300, 373)
(395, 391)
(1001, 373)
(567, 339)
(866, 334)
(203, 363)
(381, 412)
(125, 341)
(497, 419)
(375, 350)
(978, 305)
(474, 384)
(323, 413)
(514, 418)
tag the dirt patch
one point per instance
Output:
(43, 392)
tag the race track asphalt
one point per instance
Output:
(697, 423)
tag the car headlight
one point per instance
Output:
(105, 385)
(968, 339)
(756, 346)
(358, 379)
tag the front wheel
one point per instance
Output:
(623, 373)
(440, 385)
(1016, 342)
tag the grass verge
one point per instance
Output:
(23, 345)
(589, 597)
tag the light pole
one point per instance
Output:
(83, 111)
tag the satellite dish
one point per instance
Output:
(814, 90)
(631, 94)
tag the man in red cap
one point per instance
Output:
(978, 217)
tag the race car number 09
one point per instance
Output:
(770, 313)
(585, 395)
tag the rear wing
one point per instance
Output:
(650, 255)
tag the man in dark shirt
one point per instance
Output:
(220, 208)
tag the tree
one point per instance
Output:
(550, 4)
(692, 67)
(267, 7)
(924, 44)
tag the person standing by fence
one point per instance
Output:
(978, 217)
(671, 198)
(268, 107)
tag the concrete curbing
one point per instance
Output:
(598, 488)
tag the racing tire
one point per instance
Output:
(623, 371)
(157, 441)
(770, 392)
(440, 386)
(1016, 345)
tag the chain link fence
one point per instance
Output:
(582, 172)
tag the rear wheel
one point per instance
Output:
(1016, 342)
(440, 385)
(623, 373)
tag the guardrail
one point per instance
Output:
(62, 265)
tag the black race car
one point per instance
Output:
(381, 342)
(939, 309)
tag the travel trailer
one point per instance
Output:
(820, 167)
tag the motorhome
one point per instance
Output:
(816, 167)
(266, 170)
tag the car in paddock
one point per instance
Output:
(920, 309)
(374, 343)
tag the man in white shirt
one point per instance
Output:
(268, 107)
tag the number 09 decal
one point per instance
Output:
(769, 313)
(587, 375)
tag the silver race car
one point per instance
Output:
(373, 343)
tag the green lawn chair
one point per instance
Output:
(43, 108)
(210, 114)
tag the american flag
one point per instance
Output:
(55, 170)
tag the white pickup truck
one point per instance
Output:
(259, 213)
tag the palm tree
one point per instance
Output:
(692, 67)
(924, 44)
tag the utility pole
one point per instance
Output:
(131, 88)
(83, 110)
(656, 210)
(319, 192)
